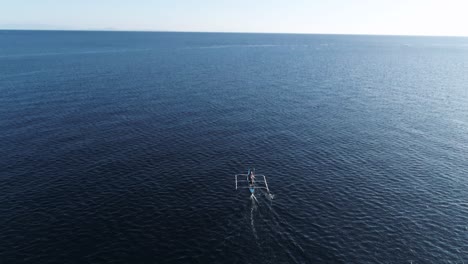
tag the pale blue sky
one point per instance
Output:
(395, 17)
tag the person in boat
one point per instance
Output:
(251, 178)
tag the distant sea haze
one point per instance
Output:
(121, 147)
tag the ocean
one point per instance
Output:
(121, 147)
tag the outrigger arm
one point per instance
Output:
(239, 181)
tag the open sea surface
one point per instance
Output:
(121, 147)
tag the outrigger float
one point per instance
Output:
(252, 181)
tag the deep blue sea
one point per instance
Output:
(121, 147)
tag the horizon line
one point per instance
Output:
(230, 32)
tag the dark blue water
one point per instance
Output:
(120, 147)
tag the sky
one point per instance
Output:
(380, 17)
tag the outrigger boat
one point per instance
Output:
(253, 181)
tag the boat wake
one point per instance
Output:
(252, 209)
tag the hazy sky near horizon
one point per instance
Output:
(395, 17)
